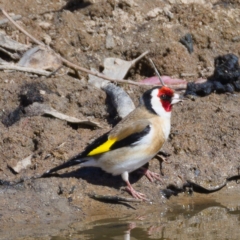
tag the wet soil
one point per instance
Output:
(204, 141)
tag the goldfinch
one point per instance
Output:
(134, 141)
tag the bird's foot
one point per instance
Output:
(152, 175)
(135, 194)
(162, 158)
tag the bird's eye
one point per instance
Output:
(165, 97)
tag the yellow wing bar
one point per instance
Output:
(105, 147)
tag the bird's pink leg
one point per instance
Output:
(131, 190)
(151, 175)
(134, 193)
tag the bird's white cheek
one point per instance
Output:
(158, 108)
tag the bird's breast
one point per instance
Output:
(161, 128)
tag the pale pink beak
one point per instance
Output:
(176, 98)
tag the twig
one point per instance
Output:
(21, 29)
(11, 55)
(55, 71)
(139, 58)
(42, 109)
(156, 71)
(98, 74)
(24, 69)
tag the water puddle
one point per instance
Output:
(213, 216)
(198, 217)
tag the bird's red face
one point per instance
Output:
(166, 96)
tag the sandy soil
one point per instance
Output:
(204, 142)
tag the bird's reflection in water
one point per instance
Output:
(206, 219)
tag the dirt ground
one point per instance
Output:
(204, 140)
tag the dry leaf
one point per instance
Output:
(40, 58)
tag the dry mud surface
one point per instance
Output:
(204, 142)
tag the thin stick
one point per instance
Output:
(55, 71)
(97, 74)
(21, 29)
(139, 58)
(156, 71)
(25, 69)
(9, 53)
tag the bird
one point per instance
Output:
(134, 141)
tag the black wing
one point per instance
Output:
(131, 139)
